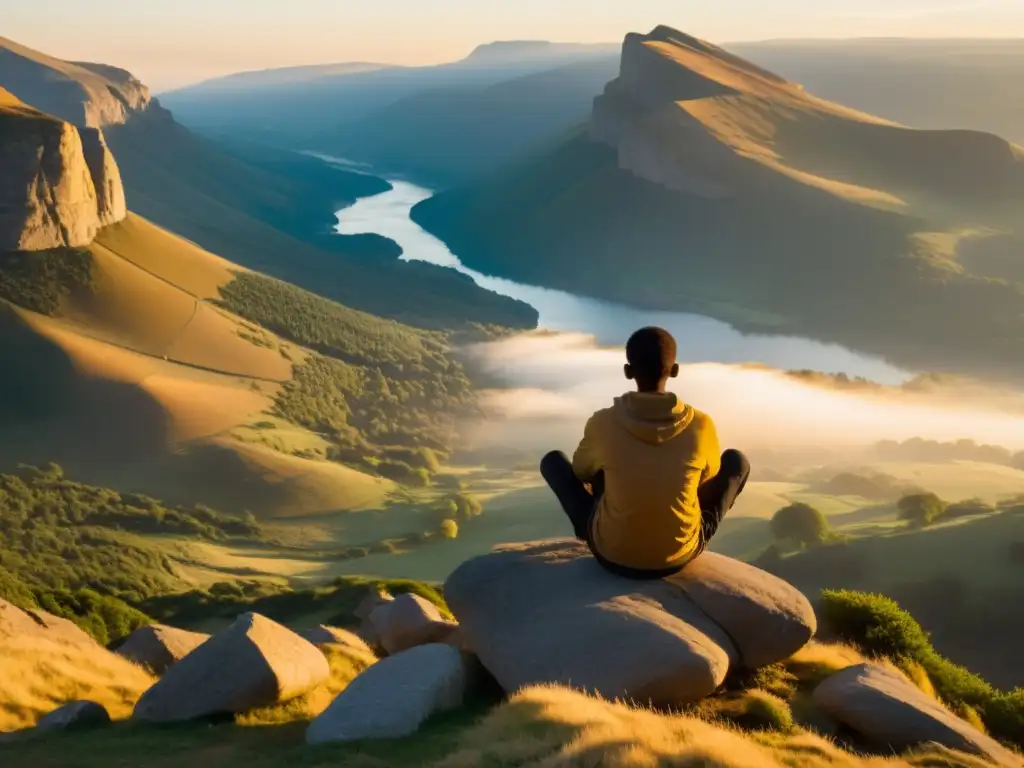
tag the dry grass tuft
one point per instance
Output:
(345, 664)
(549, 727)
(38, 675)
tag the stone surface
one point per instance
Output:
(407, 621)
(106, 177)
(392, 698)
(375, 597)
(767, 619)
(324, 635)
(546, 612)
(77, 715)
(158, 647)
(890, 712)
(83, 93)
(253, 663)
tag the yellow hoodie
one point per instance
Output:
(655, 452)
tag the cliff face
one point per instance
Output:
(57, 189)
(84, 94)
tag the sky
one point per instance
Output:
(169, 43)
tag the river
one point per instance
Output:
(701, 339)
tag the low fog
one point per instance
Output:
(545, 385)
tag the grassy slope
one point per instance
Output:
(831, 205)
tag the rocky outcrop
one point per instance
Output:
(48, 193)
(157, 647)
(82, 93)
(407, 621)
(546, 612)
(253, 663)
(106, 178)
(890, 712)
(394, 697)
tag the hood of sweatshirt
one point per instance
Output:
(653, 417)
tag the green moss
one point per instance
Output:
(40, 280)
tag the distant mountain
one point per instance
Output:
(706, 183)
(280, 111)
(462, 132)
(265, 208)
(282, 76)
(922, 83)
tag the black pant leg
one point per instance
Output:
(718, 494)
(576, 500)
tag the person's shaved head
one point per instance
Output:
(651, 358)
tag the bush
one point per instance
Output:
(449, 529)
(920, 509)
(800, 523)
(874, 623)
(967, 508)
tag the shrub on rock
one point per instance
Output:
(253, 663)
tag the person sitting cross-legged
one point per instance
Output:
(647, 487)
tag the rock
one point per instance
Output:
(767, 619)
(106, 177)
(158, 647)
(407, 621)
(546, 612)
(78, 715)
(38, 623)
(82, 93)
(392, 698)
(323, 635)
(253, 663)
(892, 713)
(47, 197)
(375, 597)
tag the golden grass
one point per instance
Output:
(168, 256)
(38, 675)
(345, 664)
(551, 727)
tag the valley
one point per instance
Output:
(269, 354)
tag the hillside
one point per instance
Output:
(922, 83)
(463, 132)
(732, 189)
(263, 208)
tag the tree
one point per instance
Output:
(449, 529)
(920, 509)
(800, 523)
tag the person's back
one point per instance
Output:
(655, 452)
(659, 487)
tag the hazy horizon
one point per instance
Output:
(169, 46)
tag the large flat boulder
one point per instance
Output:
(767, 618)
(546, 612)
(253, 663)
(407, 621)
(392, 698)
(158, 647)
(890, 712)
